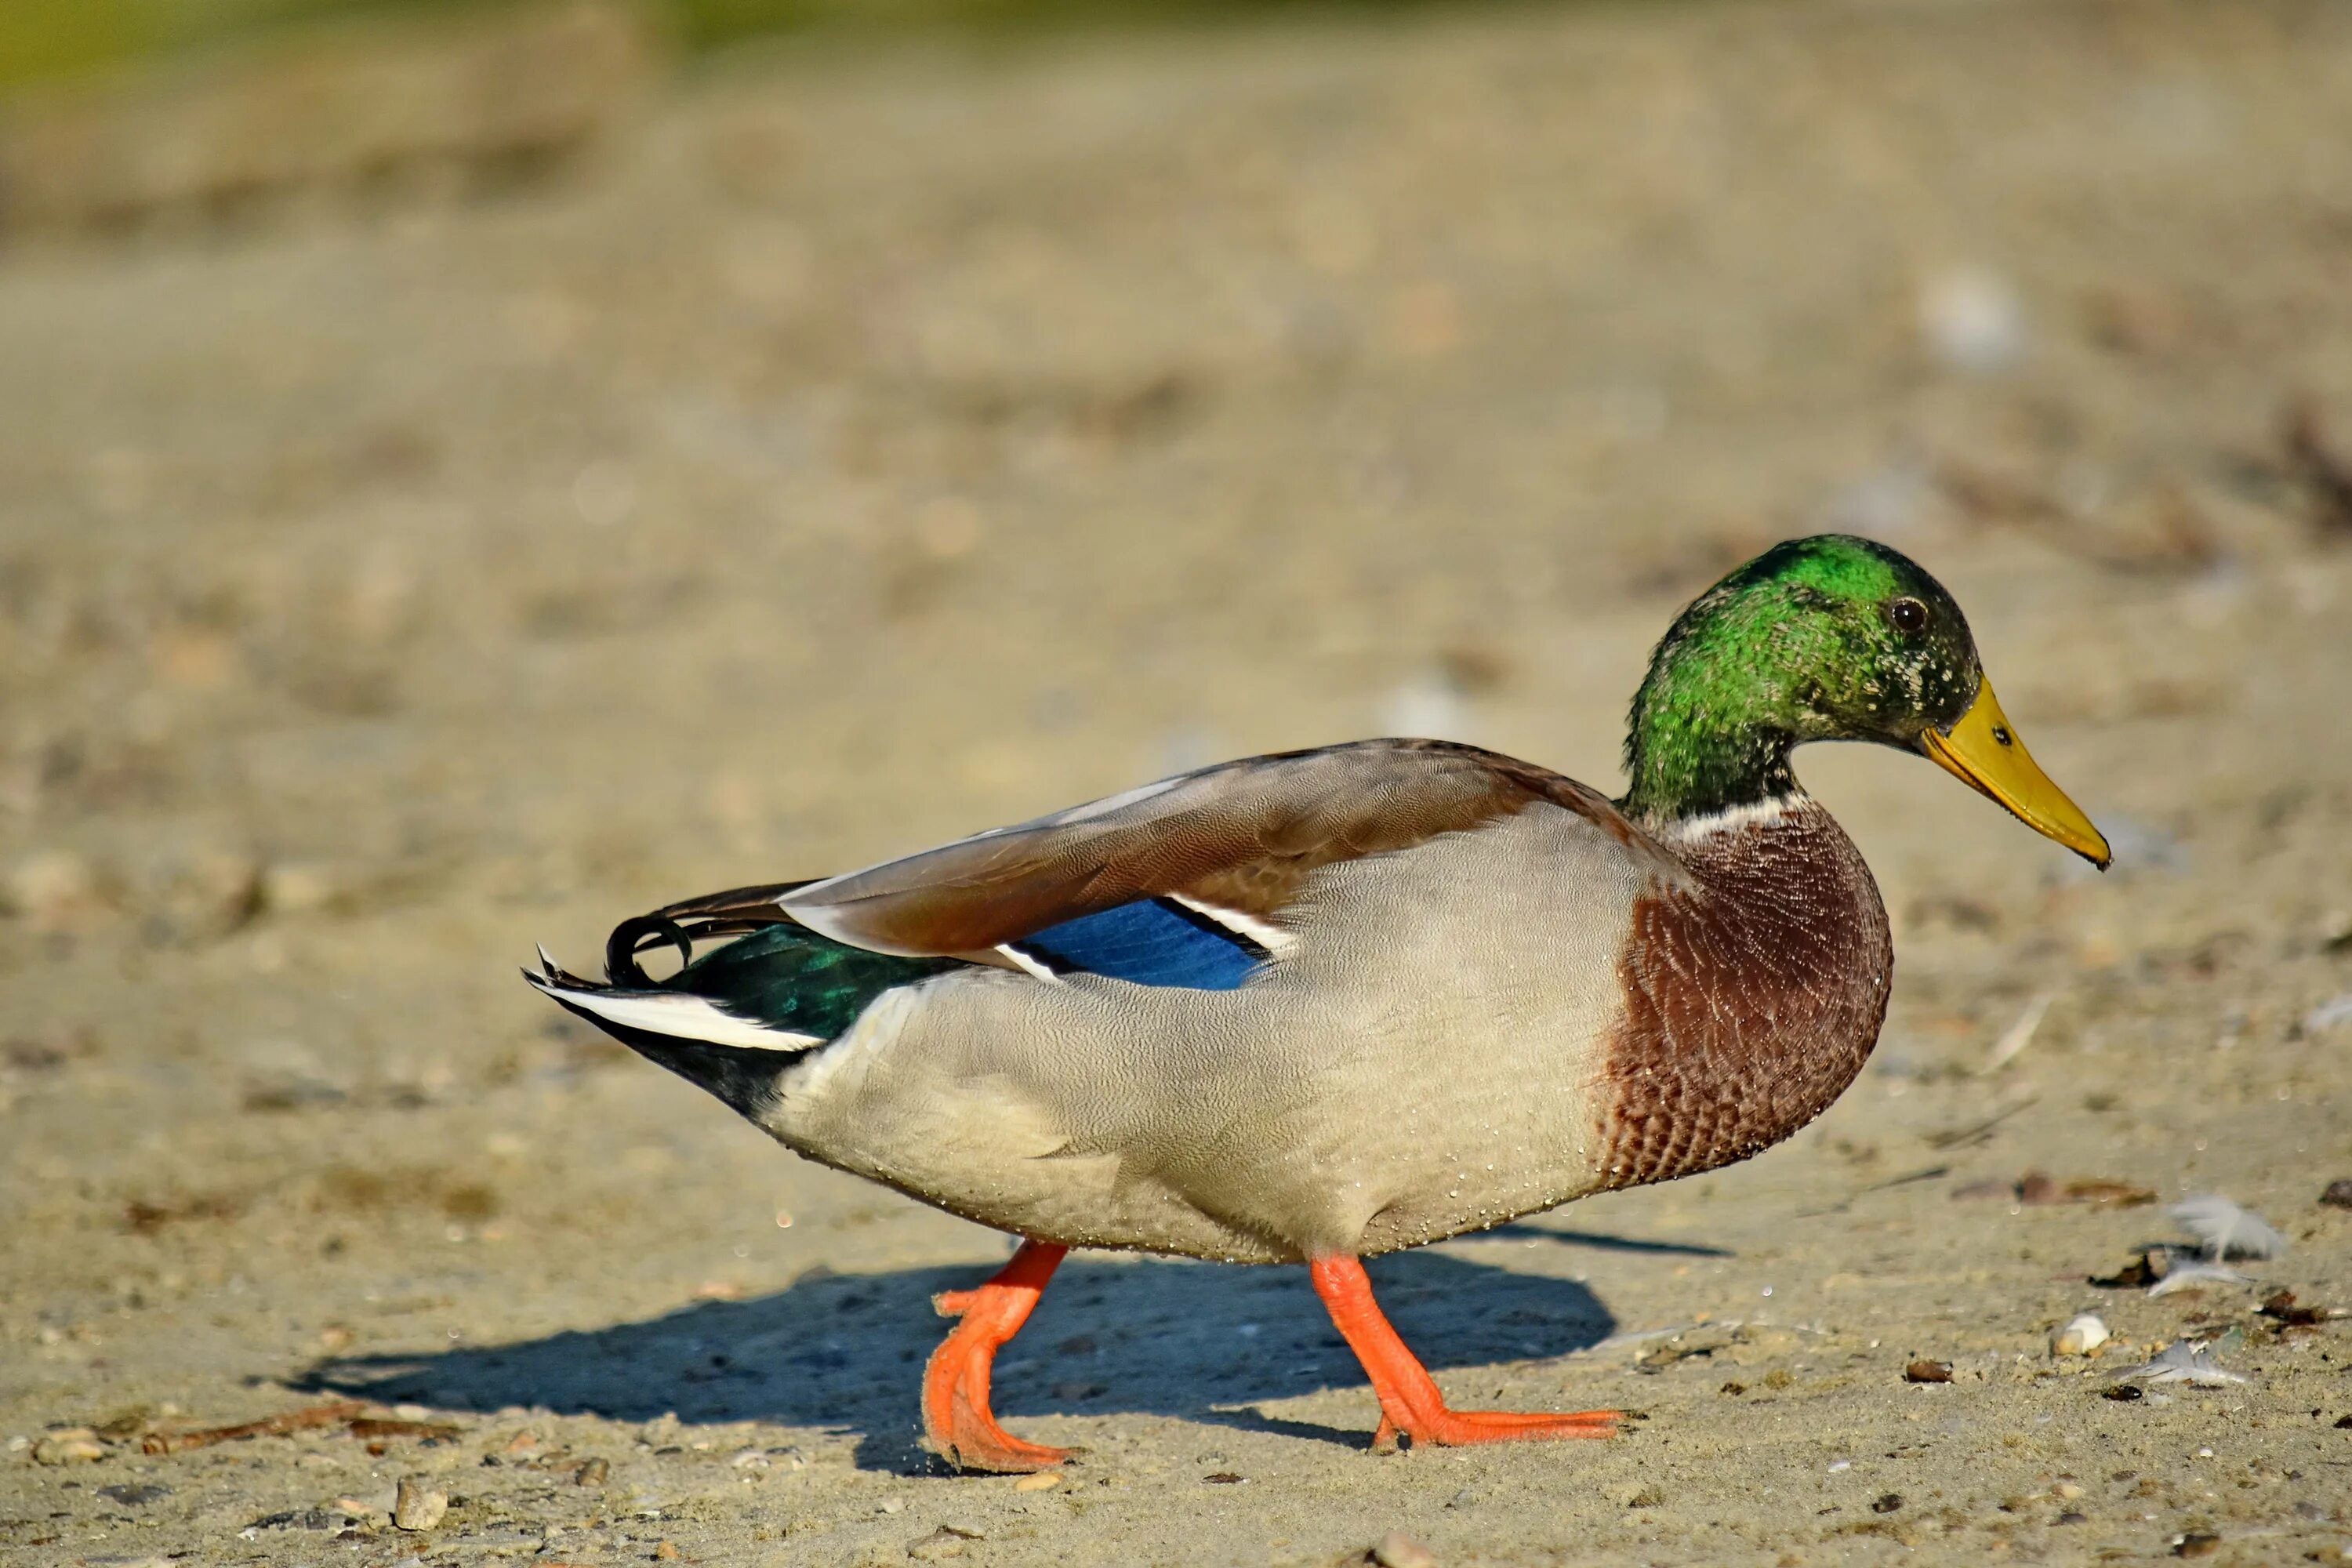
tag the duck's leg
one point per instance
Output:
(957, 1423)
(1410, 1402)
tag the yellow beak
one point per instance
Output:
(1983, 751)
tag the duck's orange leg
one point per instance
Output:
(1410, 1402)
(957, 1423)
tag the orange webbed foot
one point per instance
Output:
(958, 1424)
(1410, 1406)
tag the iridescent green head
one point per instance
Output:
(1827, 638)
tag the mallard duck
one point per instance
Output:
(1312, 1007)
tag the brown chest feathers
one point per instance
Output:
(1753, 996)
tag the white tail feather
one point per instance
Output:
(679, 1016)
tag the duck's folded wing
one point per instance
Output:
(1185, 882)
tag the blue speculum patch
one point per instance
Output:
(1155, 942)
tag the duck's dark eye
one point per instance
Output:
(1909, 616)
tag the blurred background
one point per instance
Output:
(469, 472)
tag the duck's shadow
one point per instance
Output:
(1198, 1341)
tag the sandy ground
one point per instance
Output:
(854, 450)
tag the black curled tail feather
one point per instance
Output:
(734, 912)
(632, 937)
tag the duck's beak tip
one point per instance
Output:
(1982, 750)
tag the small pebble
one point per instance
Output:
(594, 1473)
(1925, 1371)
(1043, 1481)
(947, 1540)
(2338, 1194)
(417, 1507)
(2082, 1334)
(2197, 1543)
(1972, 319)
(1886, 1502)
(302, 889)
(1398, 1550)
(72, 1446)
(53, 891)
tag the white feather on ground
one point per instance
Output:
(2184, 1361)
(2182, 1276)
(2020, 1034)
(2226, 1229)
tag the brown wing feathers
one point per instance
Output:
(1239, 837)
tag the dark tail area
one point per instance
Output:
(789, 977)
(743, 1077)
(733, 1018)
